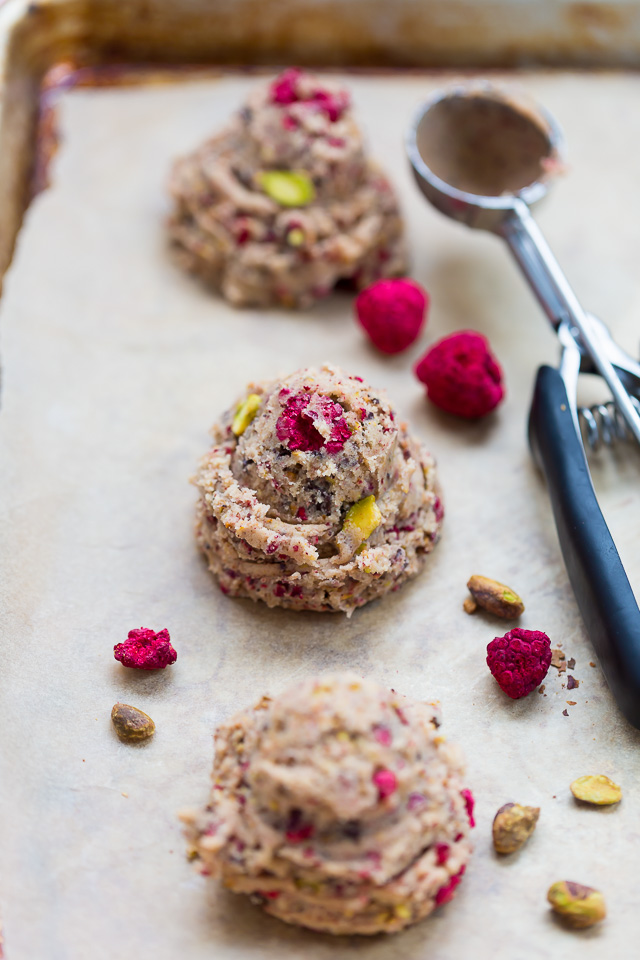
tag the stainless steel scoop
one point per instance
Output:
(484, 156)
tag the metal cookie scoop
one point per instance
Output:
(484, 157)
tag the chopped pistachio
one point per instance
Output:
(578, 905)
(245, 413)
(131, 724)
(513, 824)
(287, 187)
(596, 789)
(363, 518)
(495, 597)
(295, 237)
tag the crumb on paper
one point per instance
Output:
(572, 683)
(558, 660)
(565, 713)
(126, 795)
(572, 703)
(571, 663)
(541, 689)
(469, 605)
(591, 663)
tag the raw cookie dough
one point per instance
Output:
(260, 252)
(336, 806)
(320, 499)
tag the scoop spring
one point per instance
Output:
(603, 423)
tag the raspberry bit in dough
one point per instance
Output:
(305, 420)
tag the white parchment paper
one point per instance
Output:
(114, 367)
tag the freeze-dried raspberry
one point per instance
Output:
(283, 88)
(298, 830)
(382, 734)
(461, 375)
(386, 782)
(392, 312)
(447, 892)
(519, 661)
(145, 650)
(296, 424)
(286, 90)
(442, 853)
(333, 104)
(469, 803)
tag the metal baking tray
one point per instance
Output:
(114, 366)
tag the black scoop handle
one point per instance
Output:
(599, 581)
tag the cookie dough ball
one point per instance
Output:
(337, 806)
(314, 496)
(285, 202)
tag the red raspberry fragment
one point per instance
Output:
(382, 734)
(392, 312)
(333, 104)
(285, 90)
(386, 782)
(145, 650)
(461, 375)
(295, 426)
(519, 661)
(469, 803)
(297, 830)
(447, 892)
(442, 853)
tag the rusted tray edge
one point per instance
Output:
(443, 33)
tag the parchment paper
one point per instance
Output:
(115, 365)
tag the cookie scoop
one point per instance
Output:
(336, 806)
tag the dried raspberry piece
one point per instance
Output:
(297, 830)
(469, 803)
(442, 853)
(447, 892)
(386, 782)
(382, 734)
(392, 312)
(145, 650)
(461, 375)
(285, 90)
(333, 104)
(295, 425)
(519, 661)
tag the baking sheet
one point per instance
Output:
(114, 367)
